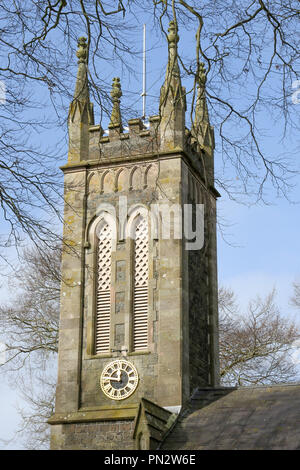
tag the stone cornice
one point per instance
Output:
(86, 415)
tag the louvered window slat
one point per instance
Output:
(103, 300)
(140, 297)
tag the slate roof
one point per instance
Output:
(262, 417)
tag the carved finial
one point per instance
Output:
(173, 67)
(173, 37)
(116, 94)
(116, 91)
(201, 129)
(82, 50)
(202, 74)
(172, 98)
(81, 89)
(81, 100)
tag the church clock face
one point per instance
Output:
(119, 379)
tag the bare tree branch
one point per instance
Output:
(256, 347)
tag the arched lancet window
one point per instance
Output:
(140, 284)
(103, 290)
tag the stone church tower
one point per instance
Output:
(138, 320)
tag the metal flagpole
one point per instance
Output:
(144, 75)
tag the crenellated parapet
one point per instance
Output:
(137, 141)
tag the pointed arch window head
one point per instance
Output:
(103, 291)
(140, 288)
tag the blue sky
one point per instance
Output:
(262, 247)
(261, 250)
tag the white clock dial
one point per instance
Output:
(119, 379)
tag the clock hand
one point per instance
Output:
(116, 379)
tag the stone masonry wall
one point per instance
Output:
(159, 367)
(105, 435)
(196, 281)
